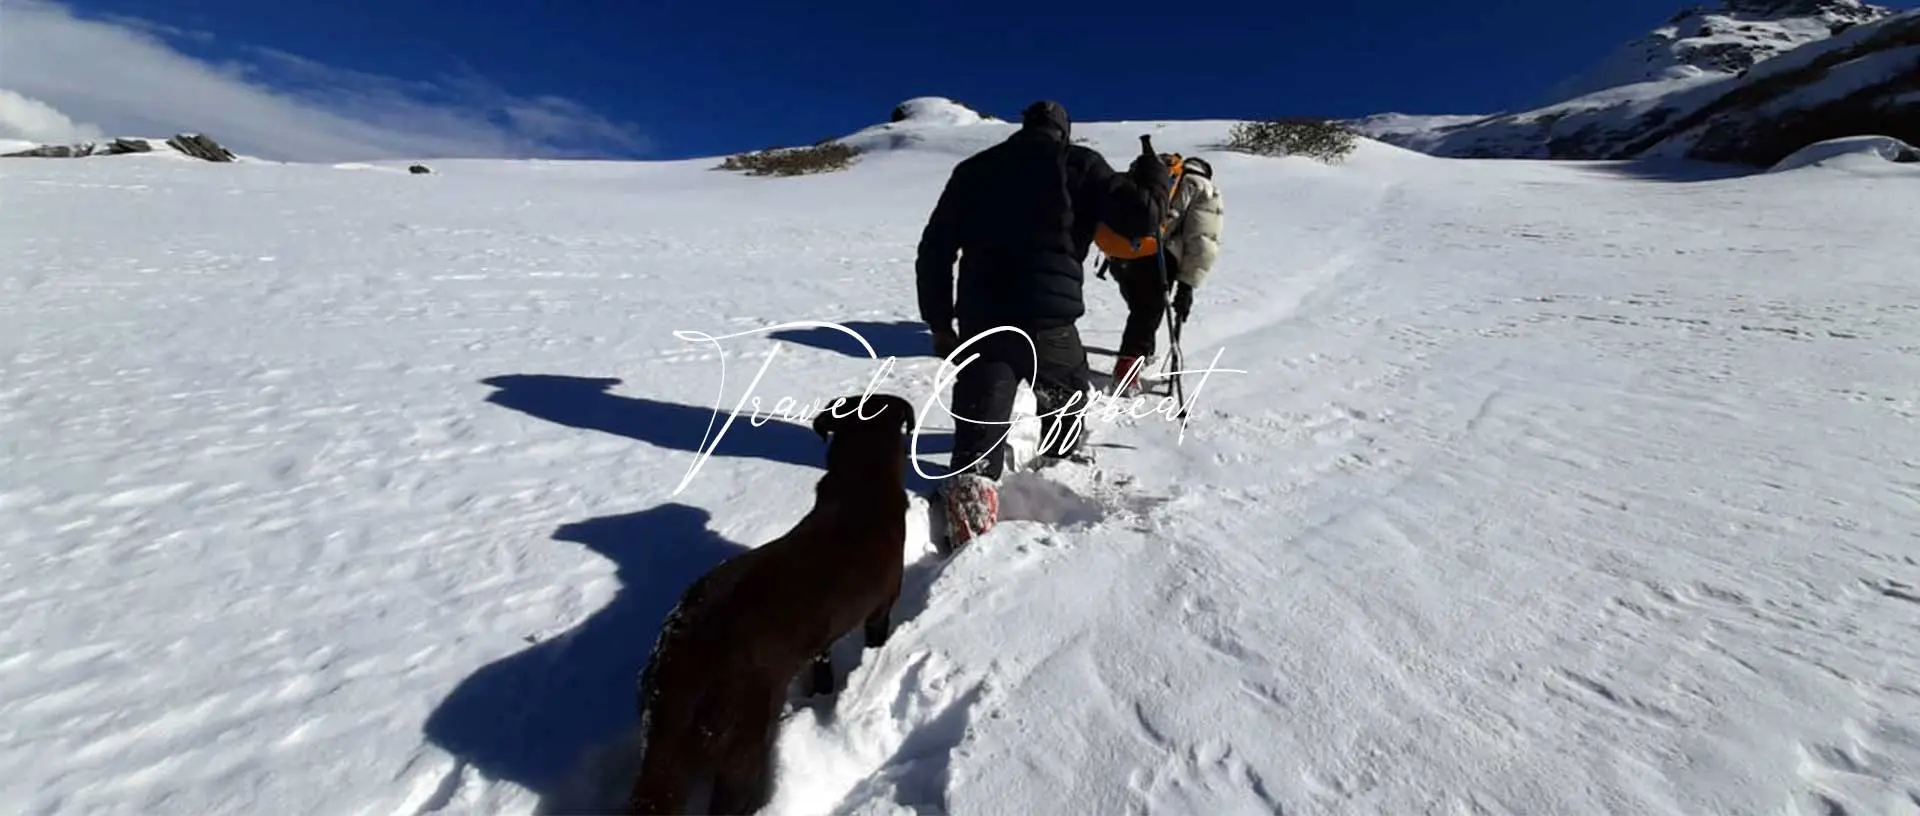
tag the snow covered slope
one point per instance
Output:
(1772, 81)
(1547, 488)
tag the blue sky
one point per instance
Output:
(670, 80)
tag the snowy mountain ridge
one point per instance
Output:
(1858, 81)
(1719, 42)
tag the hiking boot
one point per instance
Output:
(973, 507)
(1126, 375)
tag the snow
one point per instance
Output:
(1861, 152)
(1612, 113)
(1548, 488)
(1422, 132)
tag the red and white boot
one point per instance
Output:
(1126, 375)
(973, 507)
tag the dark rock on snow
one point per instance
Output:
(113, 148)
(191, 144)
(200, 147)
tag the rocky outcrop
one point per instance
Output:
(190, 144)
(114, 148)
(418, 169)
(200, 147)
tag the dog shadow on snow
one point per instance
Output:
(560, 719)
(556, 718)
(587, 403)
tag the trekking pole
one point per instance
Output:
(1173, 329)
(1173, 326)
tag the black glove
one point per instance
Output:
(1182, 301)
(1152, 176)
(944, 341)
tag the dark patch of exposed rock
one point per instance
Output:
(419, 170)
(200, 147)
(114, 148)
(119, 146)
(191, 144)
(53, 152)
(899, 113)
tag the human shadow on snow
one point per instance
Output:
(584, 402)
(537, 717)
(899, 338)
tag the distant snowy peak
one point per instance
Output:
(937, 110)
(1702, 42)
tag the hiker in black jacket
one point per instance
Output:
(1020, 215)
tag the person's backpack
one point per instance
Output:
(1115, 245)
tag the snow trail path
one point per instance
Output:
(1547, 489)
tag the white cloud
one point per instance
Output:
(23, 117)
(69, 78)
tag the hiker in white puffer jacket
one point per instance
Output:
(1194, 220)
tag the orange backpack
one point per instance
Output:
(1119, 246)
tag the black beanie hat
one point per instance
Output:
(1048, 115)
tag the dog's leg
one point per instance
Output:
(879, 626)
(880, 622)
(743, 783)
(822, 673)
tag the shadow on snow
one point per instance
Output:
(584, 402)
(901, 338)
(531, 718)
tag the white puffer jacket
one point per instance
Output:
(1194, 238)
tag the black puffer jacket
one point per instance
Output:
(1020, 215)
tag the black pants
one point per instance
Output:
(1056, 365)
(1139, 280)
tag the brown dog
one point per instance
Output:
(711, 695)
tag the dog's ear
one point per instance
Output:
(904, 408)
(825, 422)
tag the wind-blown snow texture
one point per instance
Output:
(1550, 488)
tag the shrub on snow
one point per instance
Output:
(825, 157)
(1319, 139)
